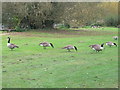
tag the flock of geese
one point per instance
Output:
(95, 47)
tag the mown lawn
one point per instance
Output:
(30, 66)
(112, 29)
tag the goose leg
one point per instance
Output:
(44, 47)
(68, 50)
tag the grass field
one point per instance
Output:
(31, 66)
(113, 29)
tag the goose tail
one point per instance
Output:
(17, 46)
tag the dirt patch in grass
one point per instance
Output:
(1, 34)
(60, 33)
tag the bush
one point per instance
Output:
(67, 25)
(61, 26)
(111, 21)
(97, 24)
(18, 29)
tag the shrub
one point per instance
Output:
(111, 21)
(97, 24)
(61, 26)
(66, 25)
(18, 29)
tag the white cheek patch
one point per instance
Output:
(93, 48)
(101, 47)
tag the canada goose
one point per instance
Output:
(69, 47)
(97, 47)
(46, 44)
(111, 44)
(115, 37)
(10, 45)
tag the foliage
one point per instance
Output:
(67, 25)
(111, 21)
(18, 29)
(61, 26)
(75, 14)
(97, 24)
(64, 26)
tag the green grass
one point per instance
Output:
(30, 66)
(113, 29)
